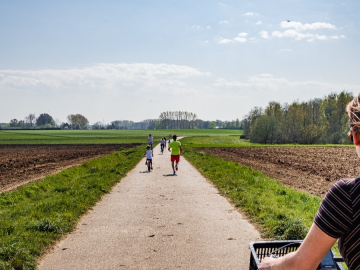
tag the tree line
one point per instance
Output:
(317, 121)
(166, 120)
(46, 121)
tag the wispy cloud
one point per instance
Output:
(264, 34)
(197, 27)
(285, 50)
(223, 22)
(225, 41)
(241, 37)
(100, 76)
(258, 23)
(299, 35)
(250, 14)
(307, 26)
(267, 83)
(301, 31)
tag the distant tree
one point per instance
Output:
(65, 126)
(212, 125)
(176, 120)
(45, 120)
(78, 121)
(30, 119)
(14, 123)
(97, 125)
(22, 124)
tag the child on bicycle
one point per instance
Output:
(150, 141)
(149, 155)
(162, 144)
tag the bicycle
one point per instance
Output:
(149, 164)
(262, 249)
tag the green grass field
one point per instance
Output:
(102, 136)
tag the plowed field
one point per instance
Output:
(309, 169)
(21, 164)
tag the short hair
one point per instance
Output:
(148, 147)
(174, 136)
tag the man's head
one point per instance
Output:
(148, 147)
(174, 137)
(149, 135)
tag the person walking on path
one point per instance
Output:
(176, 152)
(149, 155)
(150, 141)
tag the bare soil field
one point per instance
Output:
(309, 169)
(21, 164)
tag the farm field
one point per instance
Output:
(102, 136)
(21, 164)
(309, 169)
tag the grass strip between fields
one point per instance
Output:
(35, 216)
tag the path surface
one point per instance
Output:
(158, 221)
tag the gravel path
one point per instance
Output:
(158, 221)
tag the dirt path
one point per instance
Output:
(158, 221)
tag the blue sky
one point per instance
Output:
(132, 60)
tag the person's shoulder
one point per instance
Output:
(346, 185)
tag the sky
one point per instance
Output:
(132, 60)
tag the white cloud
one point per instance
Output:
(337, 37)
(224, 22)
(225, 41)
(299, 35)
(240, 39)
(292, 34)
(307, 26)
(269, 85)
(198, 27)
(264, 34)
(250, 14)
(101, 76)
(253, 39)
(258, 22)
(208, 27)
(222, 4)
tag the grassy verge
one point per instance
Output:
(34, 216)
(281, 212)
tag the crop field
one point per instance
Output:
(101, 136)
